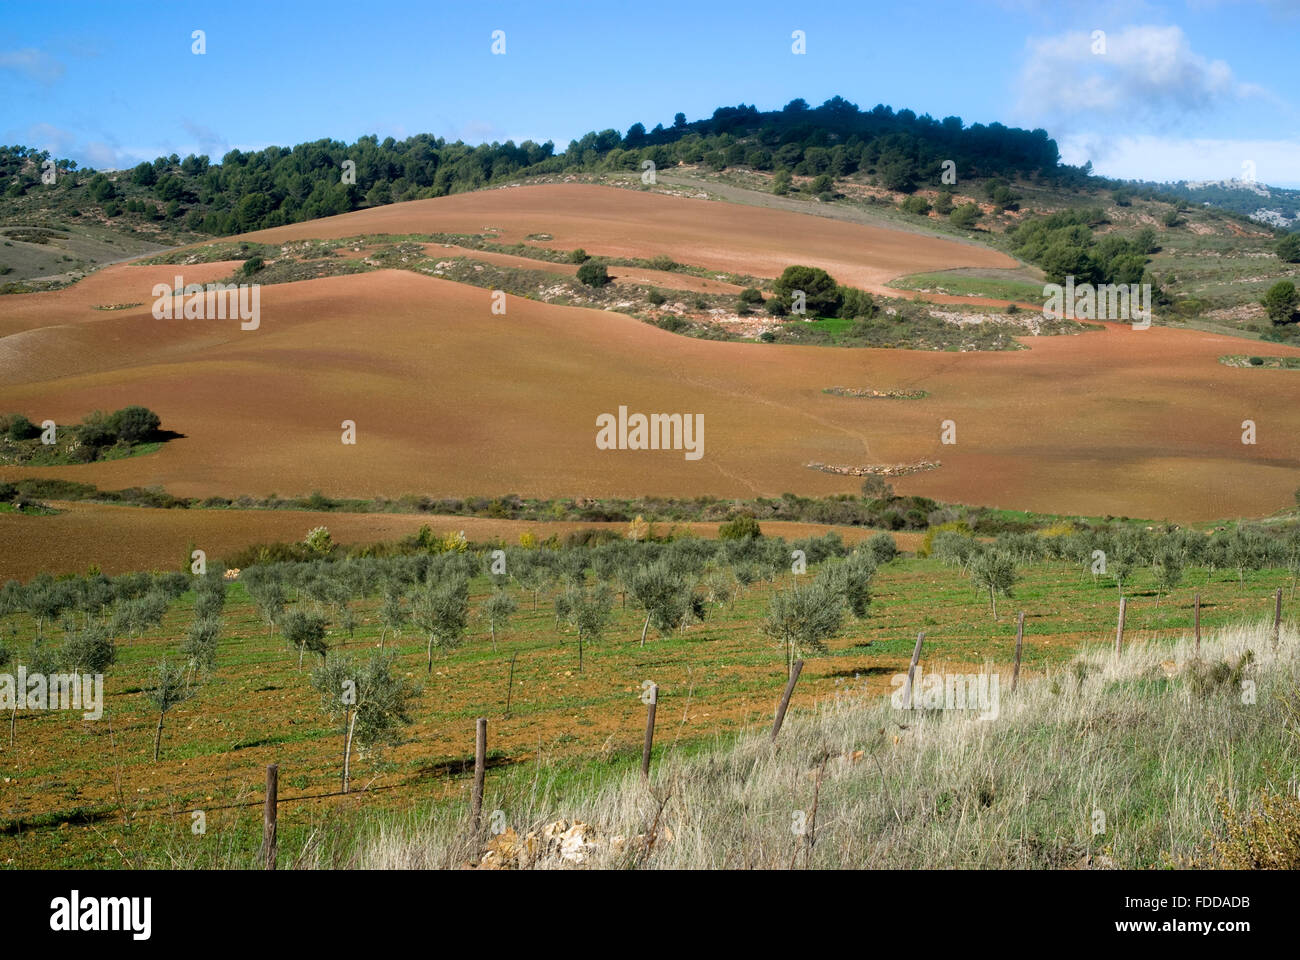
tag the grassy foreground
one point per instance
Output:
(1126, 762)
(76, 793)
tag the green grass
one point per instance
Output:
(717, 680)
(959, 284)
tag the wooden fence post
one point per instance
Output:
(1197, 621)
(510, 684)
(480, 769)
(1020, 637)
(269, 816)
(1277, 616)
(1119, 629)
(795, 669)
(911, 670)
(650, 706)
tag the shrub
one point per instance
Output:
(1280, 301)
(740, 528)
(1265, 838)
(134, 424)
(593, 274)
(1288, 248)
(965, 216)
(578, 256)
(96, 430)
(821, 292)
(882, 548)
(856, 303)
(656, 297)
(876, 488)
(252, 265)
(18, 427)
(751, 295)
(917, 205)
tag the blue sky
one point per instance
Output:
(1183, 90)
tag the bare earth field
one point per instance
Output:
(118, 539)
(451, 400)
(619, 275)
(609, 222)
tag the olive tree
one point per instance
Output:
(199, 648)
(995, 572)
(657, 589)
(441, 610)
(266, 589)
(804, 616)
(498, 608)
(588, 612)
(170, 687)
(372, 704)
(304, 631)
(392, 615)
(1168, 570)
(89, 650)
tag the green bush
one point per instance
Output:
(965, 216)
(96, 431)
(17, 427)
(917, 205)
(593, 274)
(821, 292)
(134, 424)
(856, 303)
(1280, 301)
(1288, 248)
(741, 528)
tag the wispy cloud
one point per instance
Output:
(33, 64)
(1146, 74)
(1152, 157)
(207, 141)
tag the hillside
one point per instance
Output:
(1208, 261)
(1156, 433)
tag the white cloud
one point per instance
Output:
(106, 156)
(1151, 157)
(33, 64)
(1146, 74)
(208, 141)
